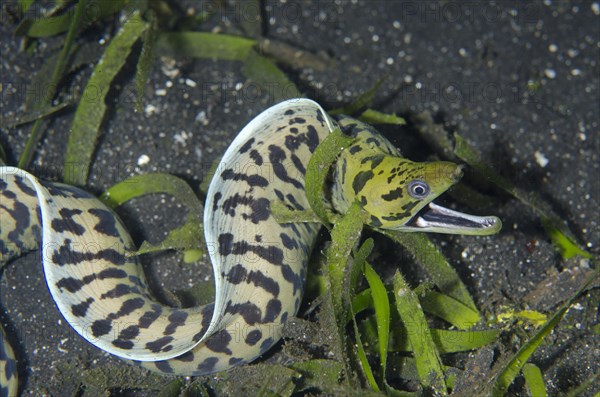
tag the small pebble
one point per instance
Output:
(541, 159)
(550, 73)
(143, 160)
(150, 109)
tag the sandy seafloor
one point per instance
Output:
(520, 80)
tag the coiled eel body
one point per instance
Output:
(259, 264)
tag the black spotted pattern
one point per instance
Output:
(219, 342)
(80, 309)
(67, 255)
(176, 319)
(259, 208)
(277, 156)
(270, 253)
(107, 222)
(239, 274)
(252, 180)
(393, 194)
(160, 344)
(66, 223)
(407, 213)
(361, 179)
(72, 284)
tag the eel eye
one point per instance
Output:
(418, 189)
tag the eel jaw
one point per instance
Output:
(437, 219)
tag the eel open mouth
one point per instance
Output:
(437, 219)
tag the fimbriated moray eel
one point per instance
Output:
(259, 264)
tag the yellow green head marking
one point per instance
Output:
(396, 192)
